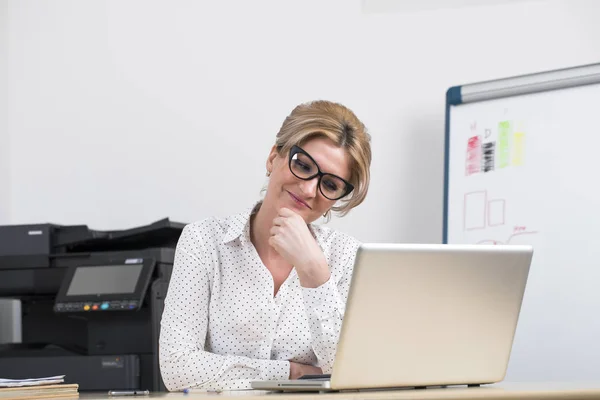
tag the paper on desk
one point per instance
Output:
(31, 381)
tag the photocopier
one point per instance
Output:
(85, 303)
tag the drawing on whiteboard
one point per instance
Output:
(503, 144)
(511, 239)
(473, 162)
(479, 212)
(486, 153)
(474, 208)
(496, 212)
(488, 156)
(518, 149)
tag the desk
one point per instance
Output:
(537, 391)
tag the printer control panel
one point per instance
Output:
(114, 305)
(112, 286)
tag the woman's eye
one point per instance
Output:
(301, 165)
(331, 185)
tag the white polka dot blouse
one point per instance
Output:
(222, 328)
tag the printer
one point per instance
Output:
(85, 303)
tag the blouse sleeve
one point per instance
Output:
(326, 304)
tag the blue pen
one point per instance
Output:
(199, 390)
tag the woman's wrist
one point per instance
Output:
(293, 367)
(314, 274)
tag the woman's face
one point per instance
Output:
(304, 196)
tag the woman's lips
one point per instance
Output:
(298, 200)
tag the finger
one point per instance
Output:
(278, 221)
(273, 242)
(286, 212)
(274, 230)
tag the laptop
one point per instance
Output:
(422, 315)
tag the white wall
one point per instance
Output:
(125, 112)
(4, 152)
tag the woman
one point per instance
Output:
(261, 295)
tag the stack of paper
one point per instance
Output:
(32, 381)
(37, 388)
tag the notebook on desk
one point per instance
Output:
(57, 391)
(426, 315)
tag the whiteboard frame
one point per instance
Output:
(509, 87)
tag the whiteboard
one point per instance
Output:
(521, 168)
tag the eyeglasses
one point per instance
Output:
(304, 167)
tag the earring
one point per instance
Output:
(268, 173)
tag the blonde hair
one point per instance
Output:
(339, 124)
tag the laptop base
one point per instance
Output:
(321, 386)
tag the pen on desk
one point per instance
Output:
(200, 390)
(128, 392)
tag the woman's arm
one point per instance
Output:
(325, 307)
(183, 361)
(323, 294)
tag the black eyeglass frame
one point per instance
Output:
(295, 150)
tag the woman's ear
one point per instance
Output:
(271, 159)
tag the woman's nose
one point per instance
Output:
(309, 188)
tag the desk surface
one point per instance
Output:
(547, 390)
